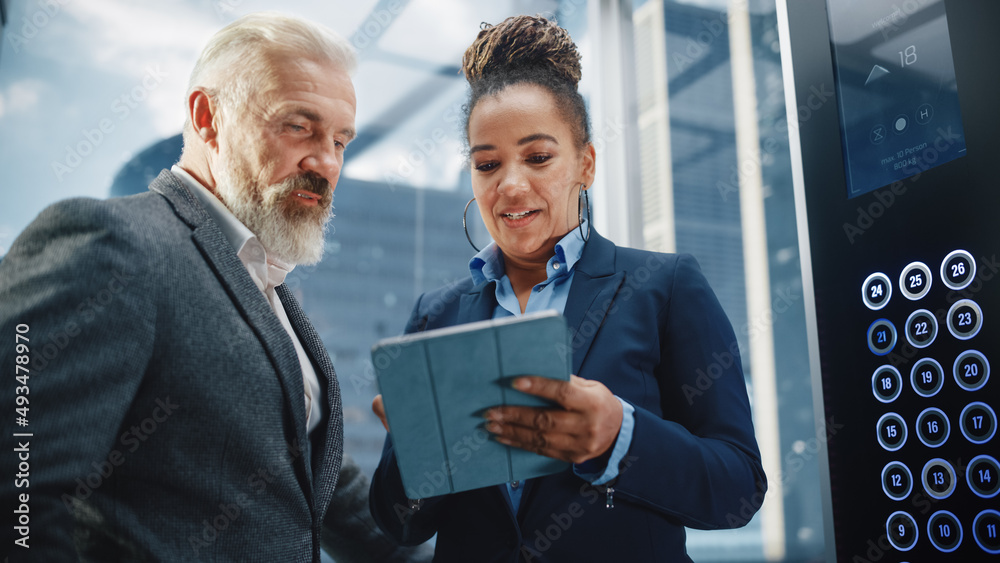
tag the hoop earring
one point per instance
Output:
(584, 195)
(465, 227)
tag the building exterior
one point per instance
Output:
(693, 175)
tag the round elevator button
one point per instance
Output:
(979, 422)
(971, 370)
(933, 428)
(902, 531)
(876, 291)
(983, 476)
(926, 377)
(965, 318)
(881, 337)
(897, 481)
(958, 269)
(944, 531)
(915, 281)
(921, 328)
(891, 431)
(938, 478)
(986, 530)
(887, 383)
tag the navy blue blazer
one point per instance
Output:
(649, 327)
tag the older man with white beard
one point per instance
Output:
(182, 406)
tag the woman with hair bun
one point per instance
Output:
(656, 423)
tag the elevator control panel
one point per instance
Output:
(898, 195)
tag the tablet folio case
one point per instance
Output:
(437, 384)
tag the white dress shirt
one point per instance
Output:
(267, 273)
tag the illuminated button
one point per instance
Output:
(979, 422)
(900, 124)
(986, 530)
(938, 478)
(897, 481)
(933, 428)
(965, 318)
(983, 475)
(891, 431)
(927, 377)
(921, 328)
(915, 281)
(876, 291)
(881, 337)
(886, 384)
(972, 370)
(944, 531)
(902, 531)
(958, 269)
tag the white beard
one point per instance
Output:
(290, 232)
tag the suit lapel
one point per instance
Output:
(251, 304)
(595, 285)
(477, 305)
(326, 460)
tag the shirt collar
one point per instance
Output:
(487, 264)
(266, 272)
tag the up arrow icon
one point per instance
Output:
(876, 73)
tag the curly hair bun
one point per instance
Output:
(519, 43)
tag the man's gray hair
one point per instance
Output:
(239, 61)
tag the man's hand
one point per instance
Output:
(379, 411)
(585, 427)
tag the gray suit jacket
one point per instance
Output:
(166, 400)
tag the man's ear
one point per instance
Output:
(201, 111)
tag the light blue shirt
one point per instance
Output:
(551, 293)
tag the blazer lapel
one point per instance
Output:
(595, 285)
(327, 459)
(478, 304)
(250, 302)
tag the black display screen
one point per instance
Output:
(895, 76)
